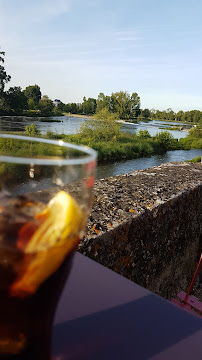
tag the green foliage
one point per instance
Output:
(103, 102)
(164, 140)
(103, 127)
(31, 130)
(144, 134)
(193, 139)
(51, 135)
(4, 78)
(33, 92)
(31, 104)
(72, 108)
(46, 106)
(196, 132)
(146, 113)
(126, 145)
(16, 100)
(88, 107)
(195, 160)
(124, 105)
(193, 116)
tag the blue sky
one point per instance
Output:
(75, 48)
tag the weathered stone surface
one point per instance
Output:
(147, 225)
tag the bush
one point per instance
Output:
(195, 160)
(196, 132)
(51, 135)
(164, 141)
(144, 134)
(193, 140)
(103, 127)
(31, 130)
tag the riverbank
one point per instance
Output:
(132, 121)
(78, 116)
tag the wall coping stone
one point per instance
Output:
(164, 205)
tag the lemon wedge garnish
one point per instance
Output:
(63, 218)
(58, 233)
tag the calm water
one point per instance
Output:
(127, 166)
(71, 125)
(154, 127)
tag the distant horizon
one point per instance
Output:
(73, 49)
(80, 102)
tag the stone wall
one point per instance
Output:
(147, 226)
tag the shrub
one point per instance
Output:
(144, 134)
(195, 160)
(196, 132)
(102, 127)
(164, 140)
(31, 130)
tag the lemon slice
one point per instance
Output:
(63, 218)
(61, 224)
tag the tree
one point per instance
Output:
(170, 115)
(4, 78)
(61, 107)
(134, 105)
(164, 139)
(46, 105)
(73, 108)
(121, 104)
(153, 113)
(33, 92)
(179, 116)
(103, 102)
(146, 113)
(103, 127)
(89, 106)
(15, 99)
(31, 104)
(196, 132)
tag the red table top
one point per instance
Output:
(102, 315)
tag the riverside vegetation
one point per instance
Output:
(103, 133)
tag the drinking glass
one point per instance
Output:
(45, 199)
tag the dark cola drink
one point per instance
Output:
(37, 242)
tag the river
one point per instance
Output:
(71, 125)
(126, 166)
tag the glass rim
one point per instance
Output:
(92, 154)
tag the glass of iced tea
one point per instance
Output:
(45, 199)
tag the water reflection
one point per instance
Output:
(123, 167)
(71, 125)
(154, 127)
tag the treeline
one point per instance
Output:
(121, 103)
(125, 110)
(193, 116)
(30, 102)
